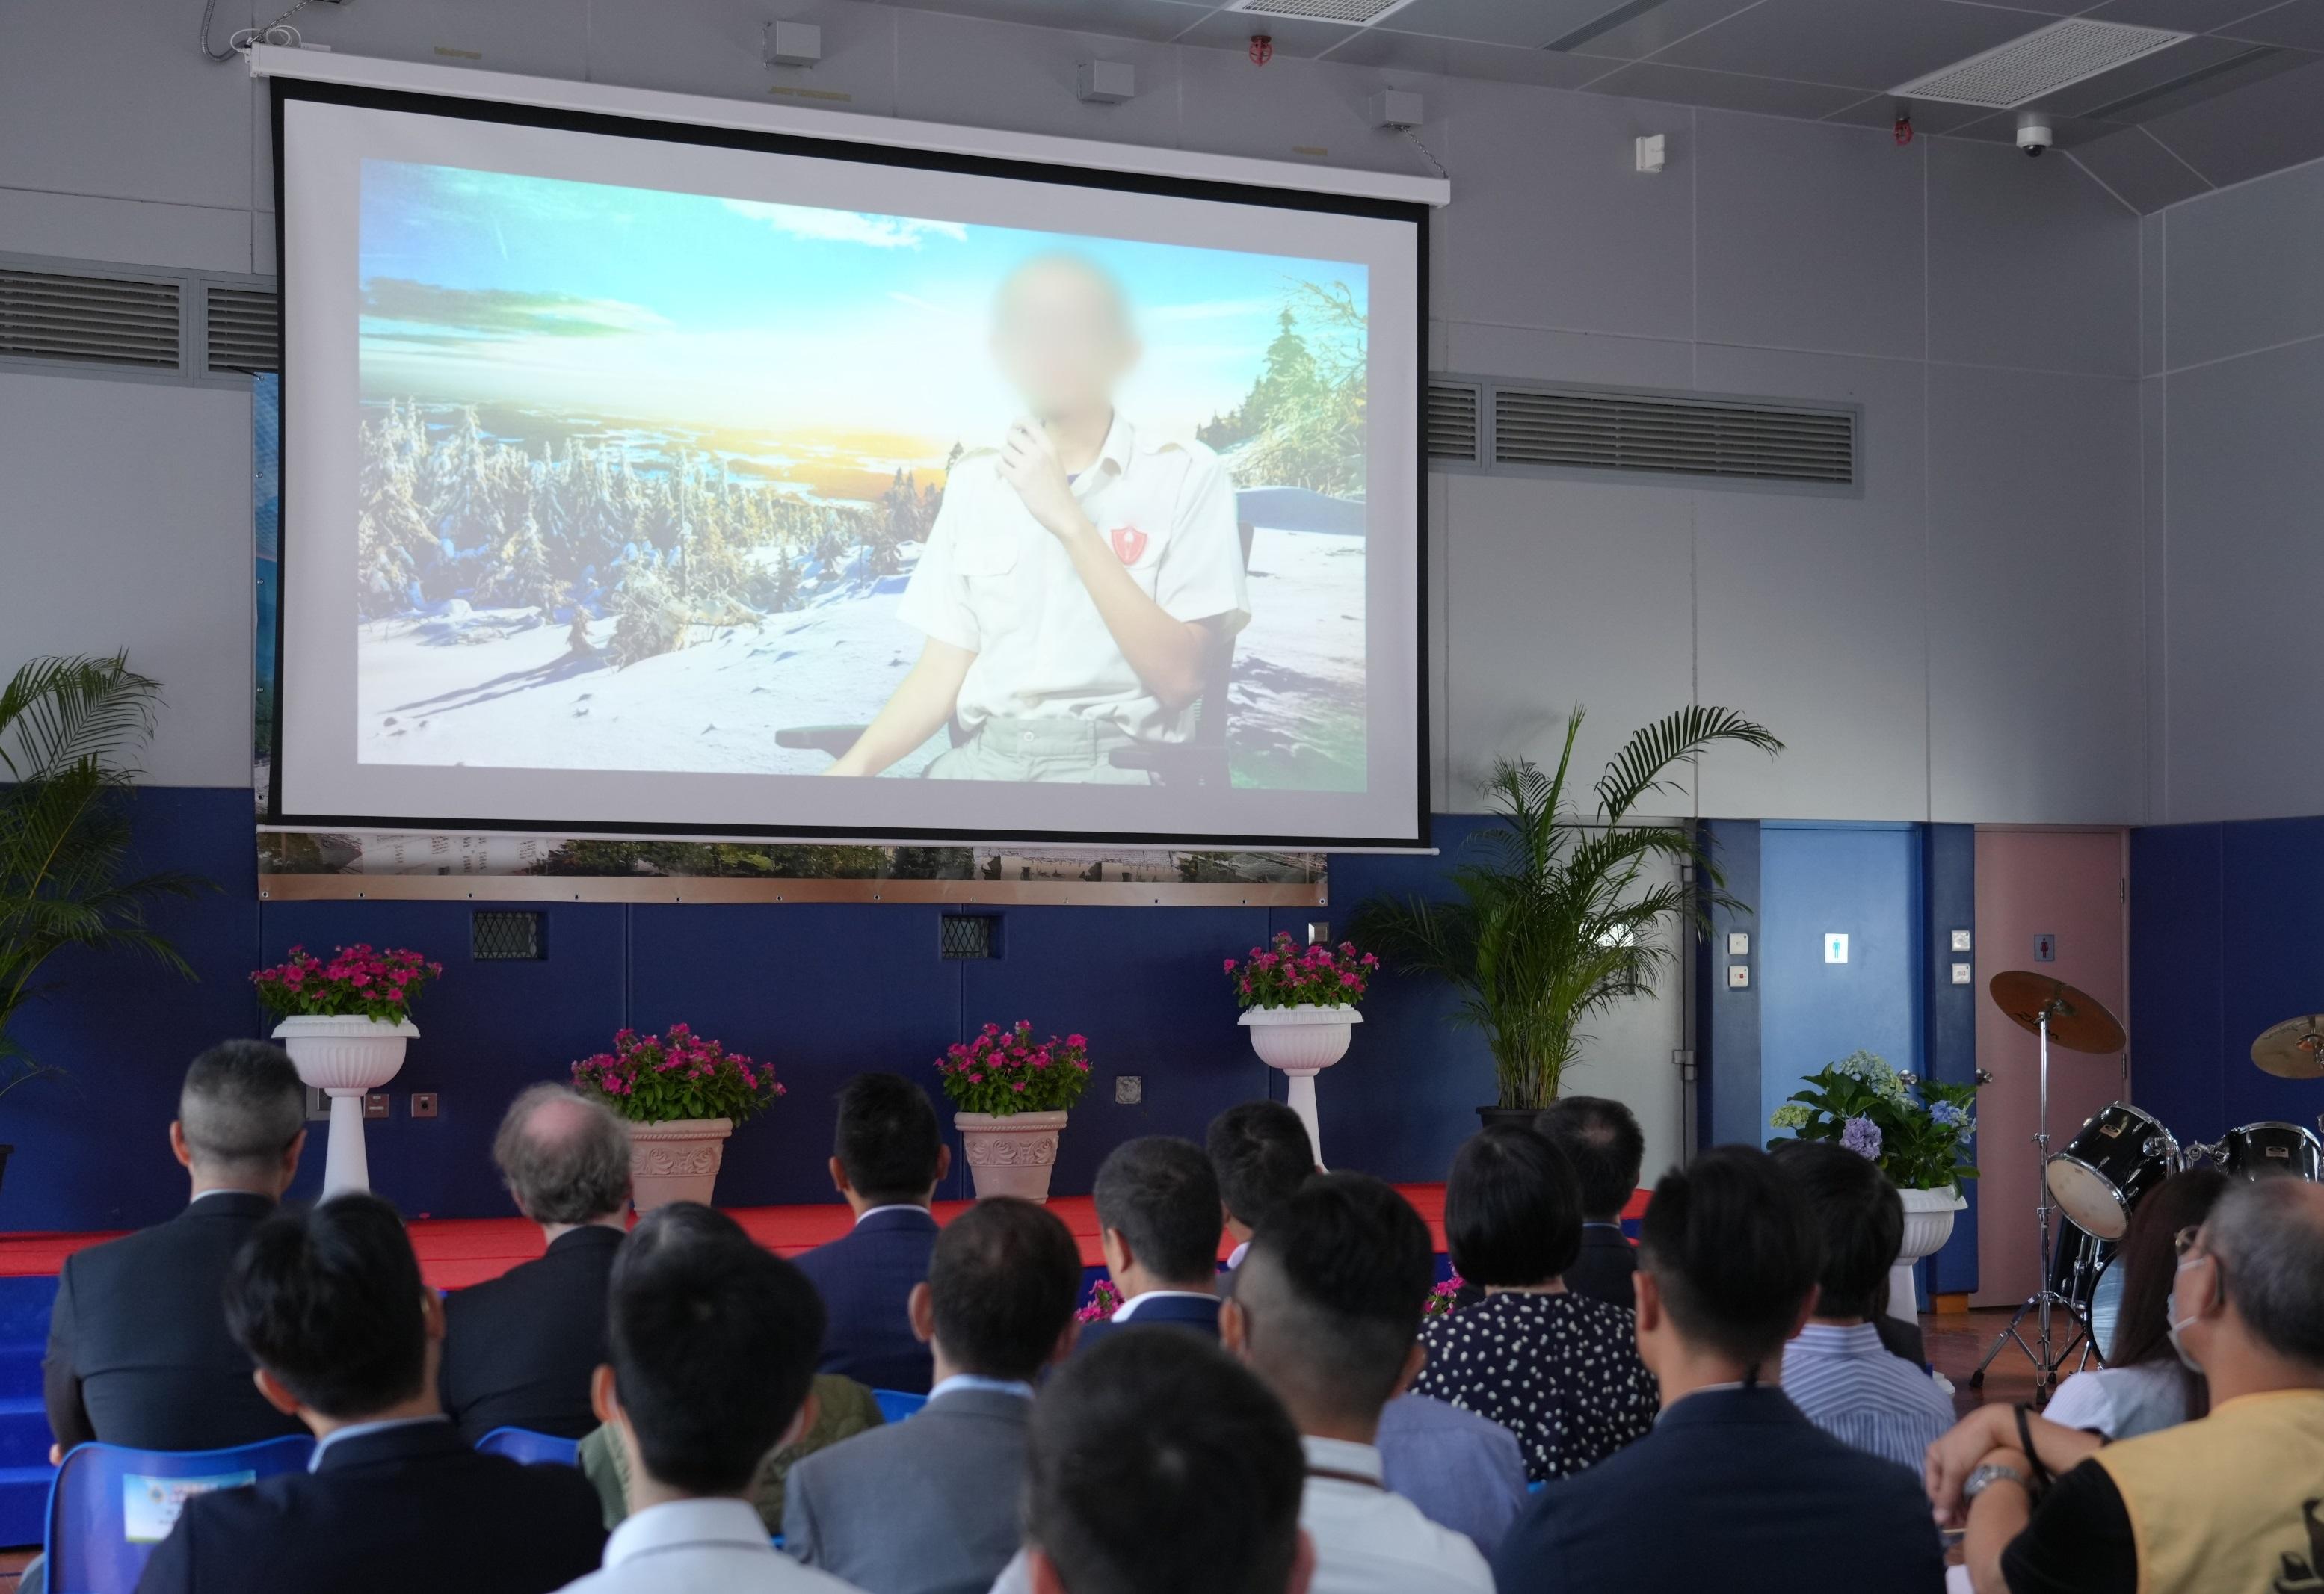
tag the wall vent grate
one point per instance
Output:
(498, 934)
(967, 938)
(240, 330)
(1496, 426)
(2039, 63)
(1354, 13)
(126, 322)
(1453, 408)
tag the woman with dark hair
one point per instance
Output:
(2144, 1385)
(1557, 1369)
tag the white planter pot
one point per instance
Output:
(1928, 1224)
(1302, 1041)
(344, 1058)
(678, 1160)
(1010, 1154)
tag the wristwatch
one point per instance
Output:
(1990, 1473)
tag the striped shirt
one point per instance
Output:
(1855, 1390)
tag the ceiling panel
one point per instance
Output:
(1390, 49)
(2257, 63)
(1529, 23)
(2066, 132)
(2256, 130)
(2194, 16)
(2181, 62)
(1635, 30)
(1724, 91)
(1153, 19)
(1867, 43)
(2140, 171)
(1930, 118)
(2300, 23)
(1293, 35)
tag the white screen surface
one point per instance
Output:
(627, 476)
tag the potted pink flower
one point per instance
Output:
(345, 1021)
(1299, 1004)
(1011, 1094)
(683, 1095)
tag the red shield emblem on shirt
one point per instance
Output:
(1129, 543)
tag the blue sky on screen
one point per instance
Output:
(774, 319)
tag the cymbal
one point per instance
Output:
(2293, 1049)
(2078, 1020)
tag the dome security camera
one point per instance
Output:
(2033, 132)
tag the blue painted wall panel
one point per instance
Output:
(1949, 895)
(2270, 961)
(2177, 1026)
(1727, 1029)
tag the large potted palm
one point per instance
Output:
(71, 732)
(1560, 913)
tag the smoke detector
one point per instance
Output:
(1361, 14)
(2039, 63)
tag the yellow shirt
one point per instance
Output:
(2231, 1504)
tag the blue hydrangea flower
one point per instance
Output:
(1861, 1136)
(1951, 1114)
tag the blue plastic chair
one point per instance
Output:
(110, 1504)
(523, 1444)
(895, 1405)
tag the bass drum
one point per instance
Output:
(2107, 1168)
(2105, 1308)
(2080, 1260)
(2261, 1148)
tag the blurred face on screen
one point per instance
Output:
(1061, 333)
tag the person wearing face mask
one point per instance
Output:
(2234, 1501)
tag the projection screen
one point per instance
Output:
(677, 479)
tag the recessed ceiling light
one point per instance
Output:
(2038, 63)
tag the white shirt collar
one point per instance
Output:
(687, 1525)
(1128, 1309)
(225, 1190)
(1235, 1256)
(893, 1206)
(358, 1430)
(1342, 1456)
(959, 1382)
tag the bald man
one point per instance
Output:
(520, 1349)
(1078, 578)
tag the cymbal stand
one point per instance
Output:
(2050, 1356)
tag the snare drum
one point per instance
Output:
(2259, 1148)
(2109, 1167)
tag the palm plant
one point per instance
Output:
(1559, 915)
(69, 731)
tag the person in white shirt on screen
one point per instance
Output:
(1078, 578)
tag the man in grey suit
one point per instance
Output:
(930, 1506)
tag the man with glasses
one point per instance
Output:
(2234, 1501)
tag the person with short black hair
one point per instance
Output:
(1155, 1465)
(1160, 1218)
(1260, 1152)
(887, 1157)
(328, 1303)
(1836, 1369)
(519, 1350)
(139, 1353)
(1734, 1489)
(1557, 1369)
(998, 1311)
(714, 1346)
(2230, 1501)
(1601, 1139)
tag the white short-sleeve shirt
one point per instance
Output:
(992, 581)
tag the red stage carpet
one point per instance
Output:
(455, 1252)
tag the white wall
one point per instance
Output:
(1961, 643)
(2233, 413)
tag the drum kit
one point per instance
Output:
(2091, 1189)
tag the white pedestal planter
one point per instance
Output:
(344, 1058)
(677, 1160)
(1010, 1154)
(1302, 1041)
(1928, 1224)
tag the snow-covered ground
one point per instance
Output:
(500, 688)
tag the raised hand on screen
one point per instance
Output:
(1030, 465)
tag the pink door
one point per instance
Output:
(2060, 891)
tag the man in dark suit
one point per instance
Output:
(997, 1308)
(888, 1158)
(519, 1350)
(1756, 1494)
(1601, 1139)
(329, 1303)
(1160, 1220)
(138, 1349)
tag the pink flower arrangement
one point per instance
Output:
(1438, 1302)
(1104, 1301)
(1006, 1070)
(656, 1079)
(1285, 975)
(354, 982)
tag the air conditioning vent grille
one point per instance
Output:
(1355, 12)
(119, 321)
(1580, 430)
(1452, 422)
(2039, 63)
(240, 330)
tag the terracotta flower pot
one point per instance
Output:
(1302, 1041)
(1012, 1154)
(344, 1056)
(677, 1160)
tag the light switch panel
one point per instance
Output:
(1960, 941)
(1738, 976)
(1961, 973)
(1738, 943)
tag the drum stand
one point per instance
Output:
(2045, 1300)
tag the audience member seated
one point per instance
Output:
(1837, 1370)
(714, 1345)
(1601, 1139)
(930, 1506)
(1734, 1489)
(329, 1303)
(1558, 1370)
(1154, 1465)
(1464, 1471)
(1260, 1152)
(1160, 1218)
(843, 1408)
(519, 1350)
(139, 1353)
(2145, 1385)
(888, 1158)
(2228, 1501)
